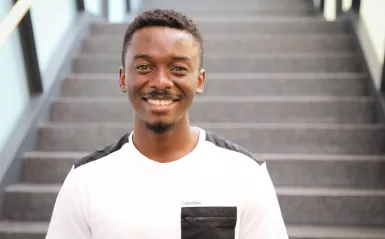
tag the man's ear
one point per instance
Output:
(201, 81)
(122, 80)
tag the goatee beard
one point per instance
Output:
(159, 128)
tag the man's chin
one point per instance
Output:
(159, 127)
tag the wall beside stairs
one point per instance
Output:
(49, 33)
(371, 32)
(372, 35)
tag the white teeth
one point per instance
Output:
(159, 102)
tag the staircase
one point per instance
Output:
(281, 82)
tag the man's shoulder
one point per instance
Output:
(103, 152)
(222, 143)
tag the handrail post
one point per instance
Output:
(338, 8)
(31, 61)
(128, 6)
(356, 5)
(322, 7)
(105, 8)
(80, 5)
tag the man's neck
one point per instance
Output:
(168, 146)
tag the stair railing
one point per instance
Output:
(19, 17)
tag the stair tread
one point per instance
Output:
(281, 190)
(324, 232)
(324, 157)
(298, 231)
(33, 188)
(55, 155)
(328, 192)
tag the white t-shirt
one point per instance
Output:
(219, 190)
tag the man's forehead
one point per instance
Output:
(163, 37)
(170, 33)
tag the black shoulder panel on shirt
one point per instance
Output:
(100, 153)
(223, 143)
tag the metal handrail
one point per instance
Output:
(13, 18)
(20, 17)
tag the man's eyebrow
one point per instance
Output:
(143, 56)
(181, 58)
(149, 58)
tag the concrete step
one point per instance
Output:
(30, 202)
(334, 232)
(326, 170)
(322, 84)
(243, 43)
(253, 63)
(227, 109)
(306, 170)
(37, 230)
(240, 25)
(332, 206)
(34, 202)
(48, 167)
(261, 138)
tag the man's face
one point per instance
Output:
(161, 75)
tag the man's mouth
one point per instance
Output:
(160, 102)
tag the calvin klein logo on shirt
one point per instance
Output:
(189, 203)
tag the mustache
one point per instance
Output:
(164, 94)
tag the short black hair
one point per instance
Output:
(162, 17)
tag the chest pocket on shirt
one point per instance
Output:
(208, 222)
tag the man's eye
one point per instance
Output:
(178, 68)
(142, 67)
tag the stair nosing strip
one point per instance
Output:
(328, 192)
(269, 157)
(30, 227)
(281, 190)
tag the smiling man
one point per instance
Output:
(166, 178)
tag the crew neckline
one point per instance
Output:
(143, 159)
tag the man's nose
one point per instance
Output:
(161, 81)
